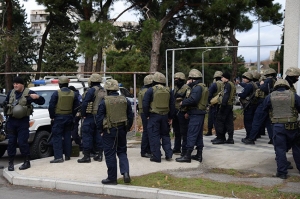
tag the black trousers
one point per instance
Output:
(224, 122)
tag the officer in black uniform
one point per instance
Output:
(180, 123)
(89, 109)
(195, 103)
(224, 120)
(18, 108)
(62, 110)
(248, 100)
(292, 76)
(145, 145)
(284, 105)
(214, 89)
(261, 117)
(159, 107)
(114, 119)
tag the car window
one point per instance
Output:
(47, 95)
(125, 92)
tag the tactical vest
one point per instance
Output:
(204, 96)
(251, 97)
(22, 101)
(141, 95)
(219, 84)
(232, 94)
(64, 105)
(283, 107)
(261, 94)
(116, 111)
(179, 95)
(161, 99)
(99, 94)
(292, 88)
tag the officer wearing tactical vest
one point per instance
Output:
(18, 108)
(89, 109)
(159, 107)
(284, 106)
(261, 117)
(214, 89)
(145, 145)
(114, 119)
(224, 120)
(248, 100)
(195, 102)
(62, 109)
(292, 76)
(180, 123)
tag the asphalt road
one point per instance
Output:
(17, 192)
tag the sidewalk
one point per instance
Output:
(71, 176)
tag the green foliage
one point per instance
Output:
(149, 26)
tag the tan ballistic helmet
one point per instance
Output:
(248, 75)
(63, 80)
(179, 75)
(159, 77)
(269, 71)
(292, 71)
(96, 78)
(218, 74)
(111, 85)
(148, 79)
(281, 82)
(194, 73)
(256, 75)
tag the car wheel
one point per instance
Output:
(39, 147)
(2, 150)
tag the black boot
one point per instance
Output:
(11, 164)
(186, 157)
(183, 153)
(209, 132)
(198, 156)
(99, 156)
(26, 164)
(86, 158)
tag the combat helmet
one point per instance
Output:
(256, 75)
(19, 112)
(179, 75)
(111, 85)
(159, 78)
(96, 78)
(247, 75)
(194, 73)
(218, 74)
(292, 71)
(63, 80)
(281, 82)
(269, 71)
(148, 79)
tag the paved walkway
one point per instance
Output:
(71, 176)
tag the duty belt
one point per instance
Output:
(291, 125)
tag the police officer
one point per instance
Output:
(180, 123)
(195, 102)
(18, 108)
(89, 109)
(224, 120)
(114, 119)
(284, 105)
(158, 106)
(214, 89)
(261, 117)
(248, 101)
(292, 76)
(145, 145)
(62, 110)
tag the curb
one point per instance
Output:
(114, 190)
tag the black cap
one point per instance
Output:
(18, 80)
(226, 75)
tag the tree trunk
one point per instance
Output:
(41, 51)
(156, 41)
(88, 65)
(8, 78)
(234, 42)
(99, 65)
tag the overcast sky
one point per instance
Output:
(269, 34)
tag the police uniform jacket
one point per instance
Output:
(89, 97)
(54, 100)
(247, 91)
(211, 91)
(101, 113)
